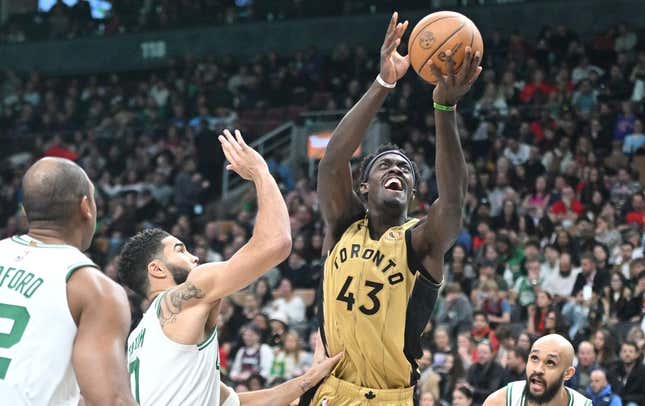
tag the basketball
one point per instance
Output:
(434, 35)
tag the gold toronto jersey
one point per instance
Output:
(375, 306)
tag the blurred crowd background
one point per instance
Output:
(554, 218)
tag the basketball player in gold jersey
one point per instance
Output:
(382, 269)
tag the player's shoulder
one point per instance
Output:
(87, 280)
(91, 292)
(578, 399)
(498, 398)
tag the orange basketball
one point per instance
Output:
(435, 34)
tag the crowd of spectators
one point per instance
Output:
(553, 224)
(129, 16)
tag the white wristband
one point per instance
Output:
(383, 83)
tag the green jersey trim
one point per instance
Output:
(20, 239)
(209, 340)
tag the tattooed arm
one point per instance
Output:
(185, 310)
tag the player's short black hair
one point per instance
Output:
(365, 163)
(135, 256)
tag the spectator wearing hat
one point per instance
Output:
(279, 327)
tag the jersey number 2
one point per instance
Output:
(348, 298)
(20, 317)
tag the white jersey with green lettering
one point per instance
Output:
(515, 396)
(163, 372)
(37, 330)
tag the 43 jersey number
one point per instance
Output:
(374, 288)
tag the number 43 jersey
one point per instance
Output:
(37, 330)
(375, 305)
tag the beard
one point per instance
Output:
(179, 274)
(550, 391)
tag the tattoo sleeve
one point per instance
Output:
(173, 302)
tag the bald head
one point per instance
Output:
(597, 380)
(53, 189)
(550, 364)
(556, 344)
(586, 354)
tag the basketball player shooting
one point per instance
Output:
(383, 269)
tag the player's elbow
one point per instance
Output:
(280, 246)
(453, 218)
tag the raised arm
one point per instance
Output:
(102, 313)
(269, 245)
(339, 204)
(436, 234)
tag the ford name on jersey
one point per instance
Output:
(19, 280)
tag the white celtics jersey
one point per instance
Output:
(37, 330)
(163, 372)
(515, 396)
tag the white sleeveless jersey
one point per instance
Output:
(37, 330)
(163, 372)
(515, 396)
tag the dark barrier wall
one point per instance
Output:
(149, 50)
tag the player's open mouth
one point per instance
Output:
(394, 183)
(537, 384)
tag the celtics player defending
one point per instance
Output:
(550, 364)
(383, 269)
(63, 323)
(173, 352)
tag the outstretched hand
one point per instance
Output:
(453, 86)
(393, 65)
(322, 365)
(242, 159)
